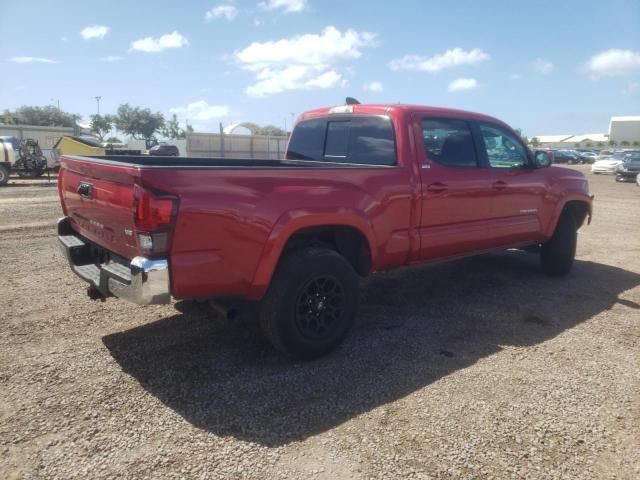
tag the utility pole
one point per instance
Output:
(98, 98)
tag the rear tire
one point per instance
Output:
(4, 175)
(558, 253)
(311, 304)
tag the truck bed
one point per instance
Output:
(233, 216)
(220, 162)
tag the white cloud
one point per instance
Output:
(64, 38)
(201, 111)
(227, 11)
(301, 62)
(375, 87)
(94, 31)
(462, 84)
(169, 40)
(613, 62)
(515, 76)
(31, 60)
(542, 66)
(310, 49)
(631, 88)
(288, 6)
(453, 57)
(111, 58)
(293, 77)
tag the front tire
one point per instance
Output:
(4, 175)
(311, 304)
(558, 253)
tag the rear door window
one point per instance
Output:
(448, 141)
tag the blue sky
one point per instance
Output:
(548, 67)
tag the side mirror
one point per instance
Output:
(543, 159)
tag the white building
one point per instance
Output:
(621, 129)
(625, 129)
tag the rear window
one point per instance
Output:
(360, 140)
(337, 144)
(307, 140)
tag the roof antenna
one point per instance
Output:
(351, 101)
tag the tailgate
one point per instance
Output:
(99, 199)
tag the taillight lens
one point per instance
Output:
(153, 215)
(153, 212)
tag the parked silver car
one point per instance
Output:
(608, 165)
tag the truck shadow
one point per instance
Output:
(416, 326)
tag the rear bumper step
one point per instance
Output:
(143, 281)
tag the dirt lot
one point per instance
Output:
(480, 368)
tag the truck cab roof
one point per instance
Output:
(392, 109)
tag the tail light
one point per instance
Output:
(153, 216)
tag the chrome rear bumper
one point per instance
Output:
(143, 281)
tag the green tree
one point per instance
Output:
(271, 130)
(47, 116)
(101, 125)
(139, 123)
(612, 143)
(535, 142)
(624, 143)
(172, 129)
(636, 143)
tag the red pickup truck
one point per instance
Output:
(362, 188)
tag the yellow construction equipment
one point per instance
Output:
(68, 145)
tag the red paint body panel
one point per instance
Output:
(104, 218)
(232, 224)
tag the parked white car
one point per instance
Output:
(608, 165)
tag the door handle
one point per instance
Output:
(436, 187)
(499, 185)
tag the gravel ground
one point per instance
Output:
(480, 368)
